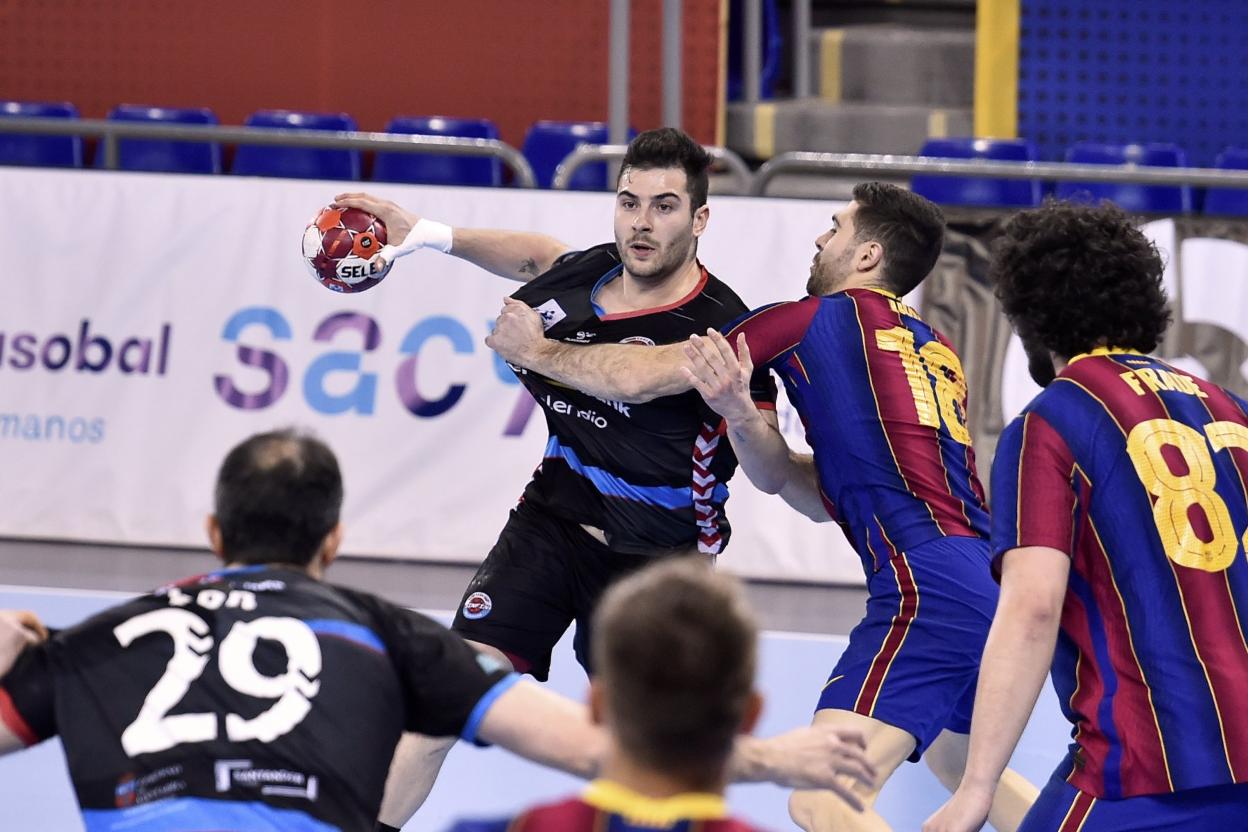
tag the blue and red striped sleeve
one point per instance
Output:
(771, 331)
(1033, 499)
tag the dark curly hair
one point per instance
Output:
(1074, 277)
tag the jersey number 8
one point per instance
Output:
(935, 378)
(153, 730)
(1177, 493)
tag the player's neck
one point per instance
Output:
(632, 294)
(619, 768)
(313, 570)
(867, 280)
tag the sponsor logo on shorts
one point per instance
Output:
(638, 339)
(478, 605)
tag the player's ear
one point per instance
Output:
(329, 546)
(700, 218)
(215, 540)
(753, 710)
(870, 256)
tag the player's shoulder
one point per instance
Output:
(718, 293)
(385, 613)
(582, 264)
(570, 815)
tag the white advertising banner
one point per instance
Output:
(150, 322)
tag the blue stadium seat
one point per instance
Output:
(949, 190)
(548, 142)
(298, 162)
(39, 151)
(165, 156)
(1229, 200)
(1144, 198)
(436, 169)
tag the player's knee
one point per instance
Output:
(801, 810)
(947, 760)
(818, 811)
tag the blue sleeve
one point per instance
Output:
(480, 826)
(1004, 501)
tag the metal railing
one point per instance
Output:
(586, 153)
(885, 166)
(901, 167)
(110, 131)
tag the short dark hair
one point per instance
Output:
(675, 649)
(1074, 277)
(278, 495)
(909, 227)
(667, 147)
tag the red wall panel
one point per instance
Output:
(514, 61)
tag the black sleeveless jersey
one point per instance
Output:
(652, 476)
(252, 698)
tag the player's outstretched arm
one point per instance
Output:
(813, 757)
(1016, 660)
(722, 377)
(542, 726)
(621, 372)
(515, 255)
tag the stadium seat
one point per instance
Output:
(548, 142)
(165, 156)
(298, 162)
(772, 50)
(35, 150)
(949, 190)
(1229, 200)
(438, 169)
(1145, 198)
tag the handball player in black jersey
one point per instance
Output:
(620, 485)
(257, 696)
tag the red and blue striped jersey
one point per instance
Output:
(883, 400)
(1137, 470)
(610, 807)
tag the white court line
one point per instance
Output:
(54, 590)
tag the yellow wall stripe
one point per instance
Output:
(830, 64)
(764, 130)
(996, 69)
(721, 114)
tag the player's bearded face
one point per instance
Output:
(655, 231)
(833, 263)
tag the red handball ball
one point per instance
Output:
(338, 245)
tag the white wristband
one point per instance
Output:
(425, 233)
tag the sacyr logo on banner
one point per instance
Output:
(362, 398)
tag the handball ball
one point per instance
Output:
(337, 246)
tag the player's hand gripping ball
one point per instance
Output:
(339, 246)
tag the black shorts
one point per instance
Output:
(542, 574)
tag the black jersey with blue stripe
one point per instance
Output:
(249, 698)
(652, 476)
